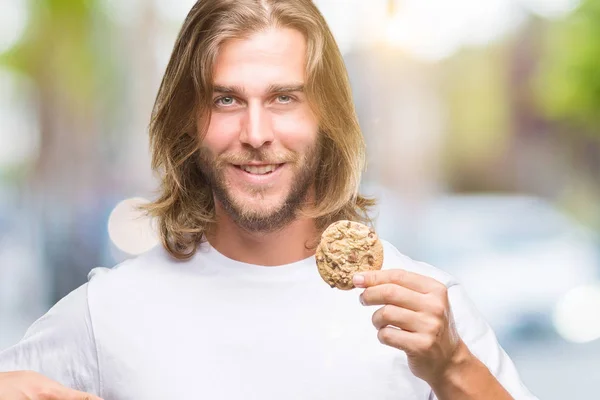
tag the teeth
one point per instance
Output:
(259, 170)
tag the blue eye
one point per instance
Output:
(284, 98)
(225, 101)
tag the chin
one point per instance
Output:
(259, 209)
(261, 201)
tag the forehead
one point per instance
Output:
(269, 57)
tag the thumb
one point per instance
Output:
(77, 395)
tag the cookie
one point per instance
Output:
(346, 248)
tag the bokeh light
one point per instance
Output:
(19, 133)
(129, 229)
(13, 20)
(577, 314)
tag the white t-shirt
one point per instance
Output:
(214, 328)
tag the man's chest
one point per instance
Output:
(248, 348)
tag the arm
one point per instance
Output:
(447, 343)
(60, 345)
(479, 360)
(28, 385)
(468, 378)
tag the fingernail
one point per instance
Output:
(362, 301)
(358, 280)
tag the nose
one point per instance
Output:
(256, 130)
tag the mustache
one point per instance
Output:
(257, 156)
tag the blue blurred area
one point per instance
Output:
(517, 256)
(483, 145)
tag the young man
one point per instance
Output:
(256, 140)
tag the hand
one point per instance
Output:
(415, 317)
(27, 385)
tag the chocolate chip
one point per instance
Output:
(352, 257)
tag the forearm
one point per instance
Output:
(468, 379)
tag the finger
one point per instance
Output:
(389, 293)
(398, 317)
(409, 280)
(70, 394)
(399, 339)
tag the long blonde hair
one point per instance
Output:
(185, 208)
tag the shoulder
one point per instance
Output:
(469, 322)
(68, 317)
(135, 278)
(59, 345)
(155, 261)
(393, 258)
(467, 317)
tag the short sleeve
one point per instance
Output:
(60, 345)
(482, 342)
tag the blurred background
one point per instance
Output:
(482, 120)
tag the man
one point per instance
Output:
(258, 147)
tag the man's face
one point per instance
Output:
(260, 152)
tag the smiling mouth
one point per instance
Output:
(264, 169)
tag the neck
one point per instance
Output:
(294, 242)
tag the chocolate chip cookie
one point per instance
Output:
(346, 248)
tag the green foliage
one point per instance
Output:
(58, 49)
(475, 87)
(568, 85)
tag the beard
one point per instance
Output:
(256, 220)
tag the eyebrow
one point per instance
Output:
(286, 88)
(294, 87)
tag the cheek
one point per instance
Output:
(222, 131)
(296, 132)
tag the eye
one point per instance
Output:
(284, 99)
(225, 101)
